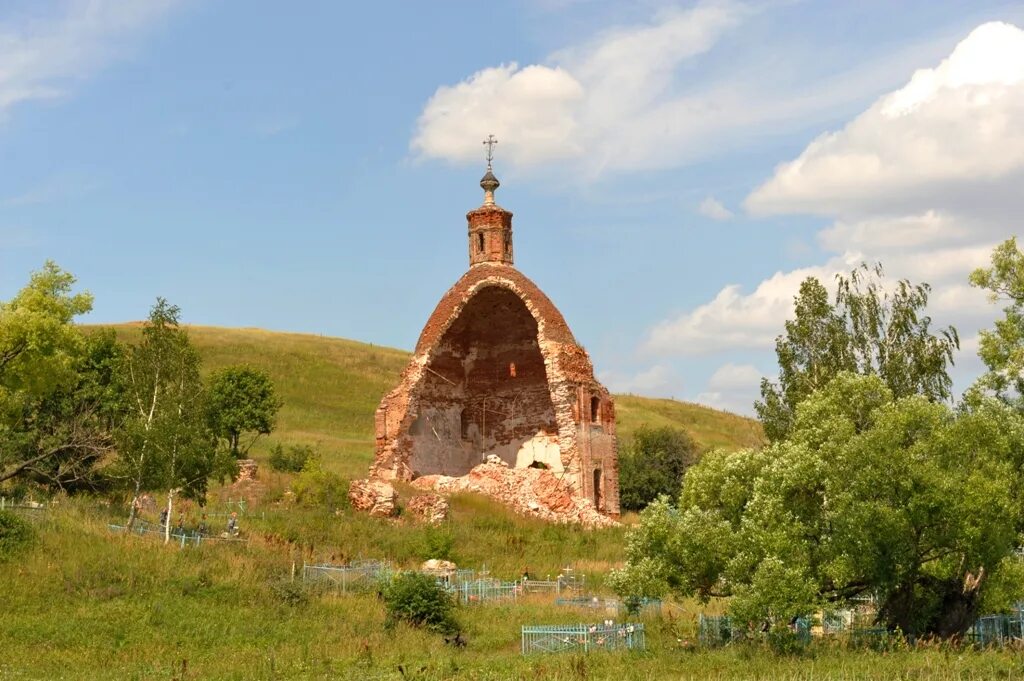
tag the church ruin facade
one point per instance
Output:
(497, 373)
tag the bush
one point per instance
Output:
(653, 463)
(289, 593)
(316, 487)
(418, 600)
(290, 460)
(16, 535)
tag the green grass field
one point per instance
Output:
(83, 603)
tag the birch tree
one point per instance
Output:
(165, 444)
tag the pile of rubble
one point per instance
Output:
(376, 497)
(534, 492)
(430, 508)
(247, 485)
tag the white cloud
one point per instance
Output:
(733, 319)
(733, 387)
(533, 105)
(639, 98)
(43, 58)
(712, 208)
(952, 135)
(655, 381)
(926, 180)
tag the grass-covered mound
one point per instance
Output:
(331, 387)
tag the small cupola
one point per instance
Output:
(490, 225)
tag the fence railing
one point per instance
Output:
(485, 591)
(997, 630)
(582, 638)
(357, 576)
(627, 607)
(183, 539)
(718, 630)
(541, 586)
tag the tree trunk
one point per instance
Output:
(170, 509)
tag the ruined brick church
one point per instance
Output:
(498, 373)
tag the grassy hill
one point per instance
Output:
(331, 386)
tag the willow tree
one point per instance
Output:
(904, 499)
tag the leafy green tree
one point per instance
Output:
(76, 423)
(652, 464)
(1002, 348)
(901, 498)
(241, 400)
(40, 354)
(867, 329)
(165, 443)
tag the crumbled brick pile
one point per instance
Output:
(247, 485)
(530, 491)
(431, 508)
(376, 497)
(247, 469)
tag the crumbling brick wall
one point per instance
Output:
(497, 371)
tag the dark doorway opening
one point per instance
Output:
(597, 488)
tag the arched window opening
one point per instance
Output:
(479, 242)
(595, 409)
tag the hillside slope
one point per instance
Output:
(331, 386)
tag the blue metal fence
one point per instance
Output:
(182, 539)
(360, 575)
(484, 591)
(583, 638)
(998, 630)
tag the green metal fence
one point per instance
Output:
(583, 638)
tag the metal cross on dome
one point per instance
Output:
(489, 143)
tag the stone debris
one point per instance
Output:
(533, 492)
(376, 497)
(431, 508)
(439, 568)
(496, 460)
(247, 469)
(247, 485)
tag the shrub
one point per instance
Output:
(291, 459)
(653, 463)
(315, 486)
(418, 600)
(289, 593)
(15, 535)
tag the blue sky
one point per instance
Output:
(675, 168)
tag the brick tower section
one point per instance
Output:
(497, 372)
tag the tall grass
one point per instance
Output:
(85, 604)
